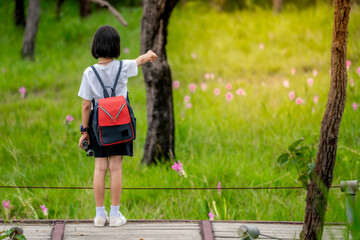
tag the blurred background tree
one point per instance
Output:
(31, 28)
(19, 13)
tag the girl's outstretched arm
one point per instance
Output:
(147, 57)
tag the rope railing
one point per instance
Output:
(169, 188)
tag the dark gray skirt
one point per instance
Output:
(124, 149)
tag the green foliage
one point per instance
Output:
(15, 233)
(231, 5)
(234, 142)
(302, 158)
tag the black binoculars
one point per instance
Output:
(89, 152)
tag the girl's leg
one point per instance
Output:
(115, 170)
(101, 166)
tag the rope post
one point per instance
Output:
(350, 188)
(248, 232)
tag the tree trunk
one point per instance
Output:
(85, 8)
(58, 8)
(160, 117)
(317, 193)
(31, 28)
(19, 13)
(277, 5)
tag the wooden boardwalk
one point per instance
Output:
(164, 229)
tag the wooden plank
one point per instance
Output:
(58, 231)
(221, 224)
(176, 231)
(105, 232)
(141, 226)
(287, 231)
(132, 238)
(161, 230)
(207, 232)
(31, 231)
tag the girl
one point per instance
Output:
(106, 48)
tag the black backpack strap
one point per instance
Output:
(116, 80)
(127, 96)
(106, 95)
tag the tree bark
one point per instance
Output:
(160, 117)
(19, 13)
(277, 5)
(58, 7)
(317, 193)
(31, 28)
(85, 8)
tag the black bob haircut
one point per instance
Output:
(106, 43)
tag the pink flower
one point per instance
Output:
(229, 96)
(219, 188)
(126, 50)
(261, 46)
(177, 166)
(44, 209)
(291, 95)
(6, 204)
(22, 92)
(240, 92)
(211, 216)
(314, 72)
(188, 105)
(348, 64)
(176, 84)
(299, 101)
(186, 98)
(203, 86)
(351, 82)
(316, 99)
(358, 70)
(310, 81)
(217, 91)
(220, 79)
(69, 119)
(212, 75)
(192, 87)
(228, 86)
(193, 55)
(355, 106)
(293, 71)
(286, 83)
(207, 76)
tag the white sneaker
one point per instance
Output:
(100, 221)
(117, 221)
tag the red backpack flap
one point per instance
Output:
(113, 111)
(114, 121)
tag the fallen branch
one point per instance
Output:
(117, 15)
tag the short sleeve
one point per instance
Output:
(132, 68)
(85, 89)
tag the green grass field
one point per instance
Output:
(233, 142)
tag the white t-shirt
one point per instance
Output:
(90, 87)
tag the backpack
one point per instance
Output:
(113, 118)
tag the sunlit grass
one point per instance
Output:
(235, 142)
